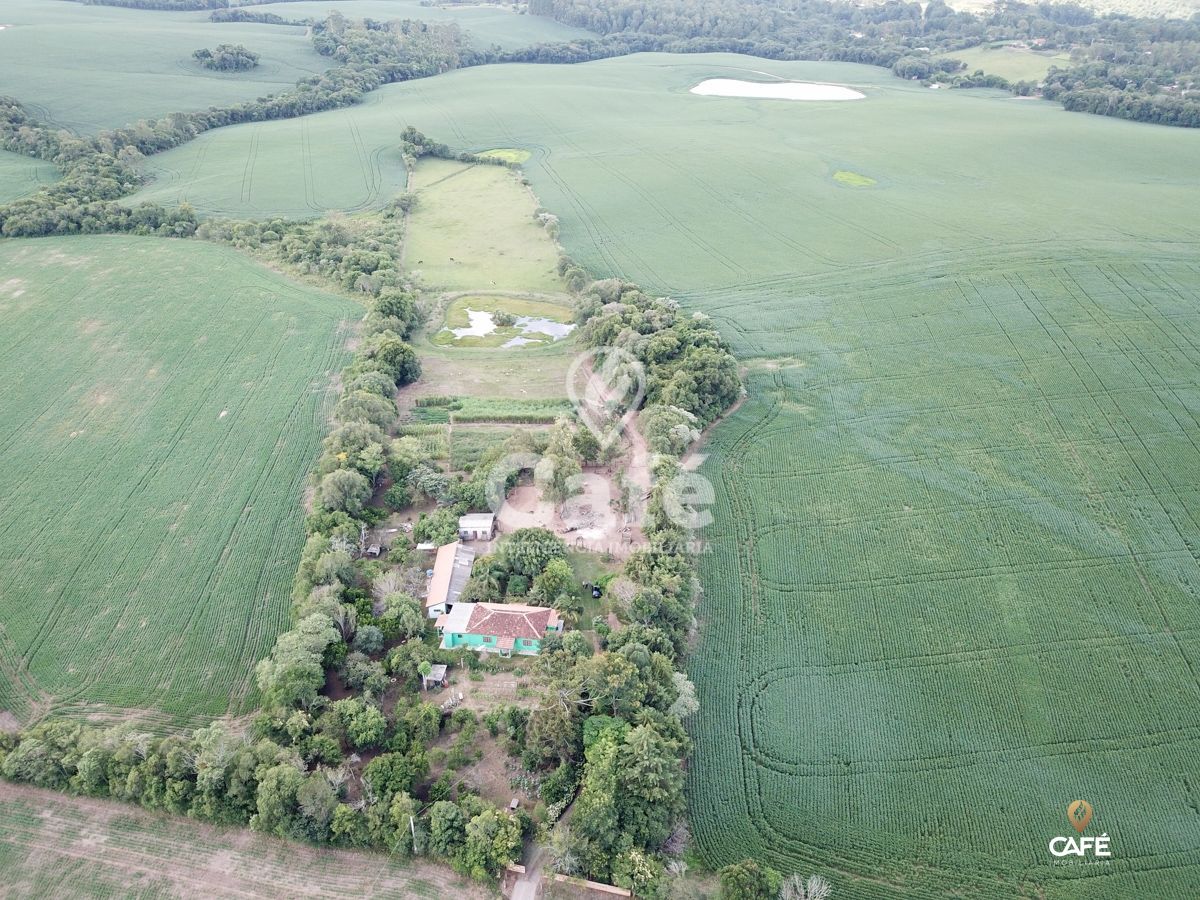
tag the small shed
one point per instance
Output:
(476, 527)
(436, 677)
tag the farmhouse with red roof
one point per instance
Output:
(504, 628)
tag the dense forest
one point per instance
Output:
(1143, 69)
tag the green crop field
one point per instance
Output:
(54, 845)
(164, 401)
(953, 578)
(953, 582)
(91, 67)
(702, 193)
(20, 175)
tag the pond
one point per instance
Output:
(481, 323)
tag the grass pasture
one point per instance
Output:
(508, 154)
(164, 403)
(55, 845)
(473, 229)
(87, 68)
(1013, 62)
(21, 175)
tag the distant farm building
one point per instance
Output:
(451, 569)
(476, 527)
(504, 628)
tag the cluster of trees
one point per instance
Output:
(1144, 69)
(286, 776)
(227, 58)
(360, 255)
(687, 365)
(414, 145)
(530, 567)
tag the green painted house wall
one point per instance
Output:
(453, 640)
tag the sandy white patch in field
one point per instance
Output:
(775, 90)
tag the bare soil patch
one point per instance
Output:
(62, 846)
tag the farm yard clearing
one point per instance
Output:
(182, 389)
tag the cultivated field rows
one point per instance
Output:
(157, 440)
(956, 565)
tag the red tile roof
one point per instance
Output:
(511, 620)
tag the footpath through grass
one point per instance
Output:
(164, 403)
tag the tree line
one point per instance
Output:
(98, 171)
(1137, 68)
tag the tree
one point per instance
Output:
(227, 58)
(345, 490)
(350, 827)
(402, 617)
(393, 356)
(364, 406)
(493, 841)
(366, 728)
(746, 880)
(795, 887)
(447, 829)
(668, 429)
(403, 812)
(388, 774)
(640, 872)
(614, 683)
(685, 703)
(596, 822)
(293, 673)
(317, 801)
(650, 782)
(528, 550)
(358, 445)
(555, 584)
(277, 807)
